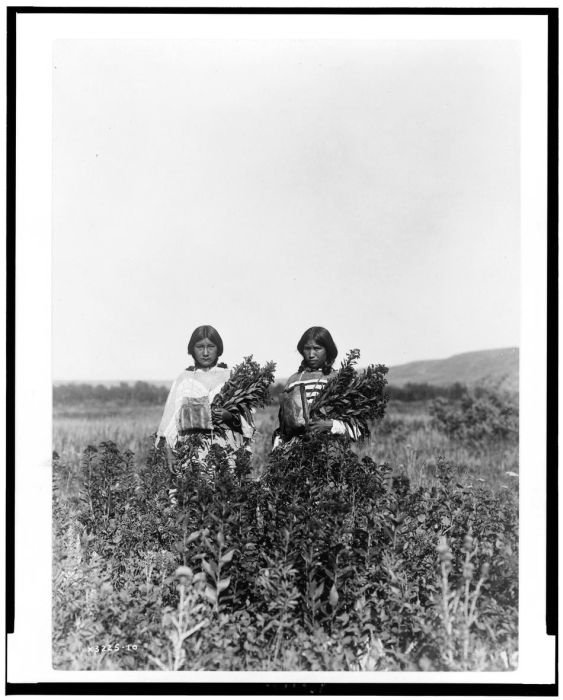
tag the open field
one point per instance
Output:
(405, 439)
(397, 554)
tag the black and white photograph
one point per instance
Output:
(288, 278)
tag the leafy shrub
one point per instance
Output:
(330, 562)
(481, 415)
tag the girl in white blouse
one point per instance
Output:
(189, 411)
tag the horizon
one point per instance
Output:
(281, 377)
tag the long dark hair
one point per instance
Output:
(206, 333)
(320, 335)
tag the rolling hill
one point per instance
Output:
(486, 367)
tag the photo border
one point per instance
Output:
(257, 688)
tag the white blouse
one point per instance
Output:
(197, 384)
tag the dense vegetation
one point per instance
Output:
(399, 554)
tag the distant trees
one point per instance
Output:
(147, 393)
(425, 392)
(122, 393)
(408, 392)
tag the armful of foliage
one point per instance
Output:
(246, 389)
(353, 397)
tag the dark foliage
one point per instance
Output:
(481, 415)
(424, 392)
(329, 562)
(247, 388)
(121, 394)
(357, 398)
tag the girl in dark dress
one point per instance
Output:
(318, 350)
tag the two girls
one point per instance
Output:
(189, 408)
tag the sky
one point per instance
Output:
(262, 187)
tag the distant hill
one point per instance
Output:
(485, 367)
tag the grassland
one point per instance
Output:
(405, 439)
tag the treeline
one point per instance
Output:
(122, 393)
(409, 392)
(426, 392)
(147, 393)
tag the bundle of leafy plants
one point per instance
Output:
(353, 397)
(246, 389)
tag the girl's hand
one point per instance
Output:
(220, 415)
(320, 426)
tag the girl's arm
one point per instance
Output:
(231, 420)
(167, 427)
(321, 426)
(235, 422)
(247, 427)
(341, 428)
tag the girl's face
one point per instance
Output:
(314, 355)
(205, 353)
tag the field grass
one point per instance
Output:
(76, 427)
(405, 439)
